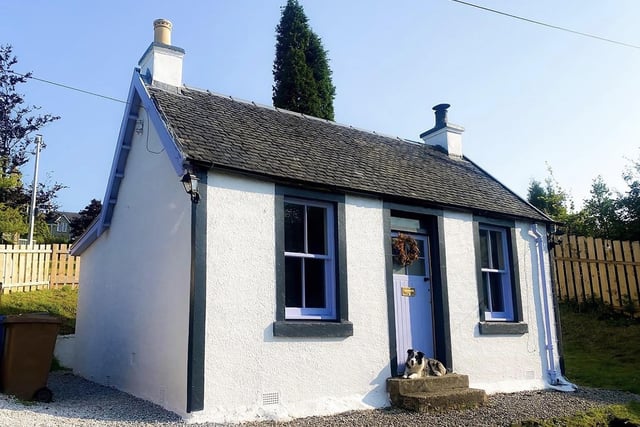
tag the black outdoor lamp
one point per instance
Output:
(190, 183)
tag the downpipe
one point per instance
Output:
(556, 380)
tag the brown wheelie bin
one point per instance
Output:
(27, 352)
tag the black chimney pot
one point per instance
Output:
(441, 115)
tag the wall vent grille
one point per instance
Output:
(271, 398)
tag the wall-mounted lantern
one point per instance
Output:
(190, 183)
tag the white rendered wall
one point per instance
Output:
(165, 65)
(449, 138)
(495, 363)
(132, 321)
(244, 362)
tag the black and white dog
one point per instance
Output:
(418, 366)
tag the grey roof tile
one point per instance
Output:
(281, 145)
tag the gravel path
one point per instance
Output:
(78, 402)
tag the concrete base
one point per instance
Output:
(65, 350)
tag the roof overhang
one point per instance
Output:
(138, 97)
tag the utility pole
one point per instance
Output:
(34, 190)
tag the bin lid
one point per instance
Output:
(31, 318)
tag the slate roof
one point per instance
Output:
(226, 133)
(58, 215)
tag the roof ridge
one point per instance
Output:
(301, 115)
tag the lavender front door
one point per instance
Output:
(413, 304)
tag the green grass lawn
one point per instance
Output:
(600, 417)
(601, 348)
(57, 302)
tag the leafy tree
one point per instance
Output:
(600, 213)
(536, 195)
(42, 231)
(553, 200)
(301, 71)
(629, 203)
(550, 198)
(18, 127)
(85, 218)
(12, 223)
(12, 219)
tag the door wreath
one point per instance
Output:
(406, 248)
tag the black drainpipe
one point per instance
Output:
(197, 298)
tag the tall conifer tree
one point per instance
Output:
(301, 70)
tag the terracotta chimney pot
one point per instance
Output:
(162, 31)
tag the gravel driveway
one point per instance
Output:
(78, 402)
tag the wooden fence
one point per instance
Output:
(27, 268)
(597, 270)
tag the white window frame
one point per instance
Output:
(62, 227)
(328, 312)
(507, 284)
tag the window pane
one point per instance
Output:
(417, 268)
(316, 234)
(405, 223)
(293, 281)
(496, 292)
(394, 250)
(497, 251)
(398, 269)
(314, 283)
(293, 227)
(484, 249)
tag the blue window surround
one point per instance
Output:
(517, 325)
(340, 327)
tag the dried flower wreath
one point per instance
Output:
(407, 249)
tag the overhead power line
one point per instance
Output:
(556, 27)
(70, 87)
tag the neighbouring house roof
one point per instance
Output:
(70, 216)
(59, 216)
(225, 133)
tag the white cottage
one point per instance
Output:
(272, 289)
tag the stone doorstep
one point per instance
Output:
(400, 385)
(432, 394)
(442, 400)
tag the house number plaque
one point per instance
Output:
(408, 292)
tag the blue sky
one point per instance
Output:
(527, 95)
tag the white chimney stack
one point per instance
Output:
(162, 63)
(444, 134)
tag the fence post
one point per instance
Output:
(53, 272)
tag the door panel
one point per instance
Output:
(413, 305)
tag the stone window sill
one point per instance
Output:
(312, 329)
(503, 328)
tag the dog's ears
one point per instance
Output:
(410, 351)
(420, 355)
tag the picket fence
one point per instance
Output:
(31, 267)
(598, 270)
